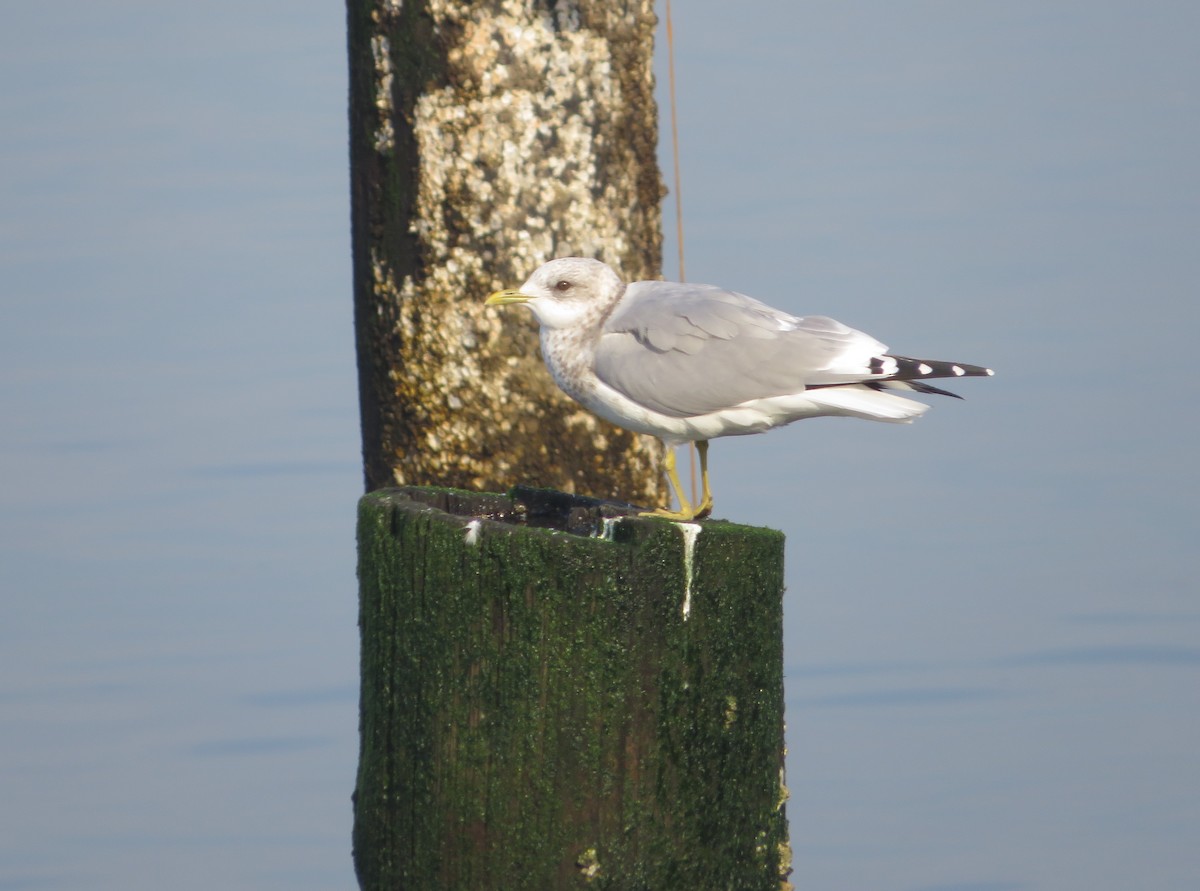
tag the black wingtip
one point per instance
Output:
(903, 368)
(914, 386)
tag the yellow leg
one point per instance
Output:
(704, 508)
(685, 513)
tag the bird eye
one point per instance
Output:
(563, 285)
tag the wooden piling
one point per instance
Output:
(556, 700)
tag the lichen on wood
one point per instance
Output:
(486, 138)
(537, 712)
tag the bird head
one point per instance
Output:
(566, 292)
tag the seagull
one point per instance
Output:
(689, 362)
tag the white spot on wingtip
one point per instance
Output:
(924, 369)
(957, 369)
(690, 531)
(990, 372)
(472, 536)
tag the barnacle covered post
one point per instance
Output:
(554, 698)
(486, 138)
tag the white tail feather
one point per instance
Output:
(863, 402)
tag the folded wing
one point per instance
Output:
(686, 350)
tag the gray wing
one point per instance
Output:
(683, 349)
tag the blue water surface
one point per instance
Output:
(992, 626)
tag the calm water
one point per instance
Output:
(993, 631)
